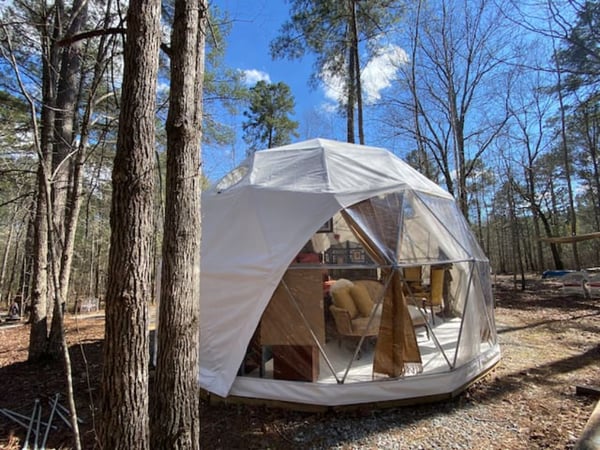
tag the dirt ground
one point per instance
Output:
(550, 345)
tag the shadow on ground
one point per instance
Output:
(24, 382)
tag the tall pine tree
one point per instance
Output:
(268, 123)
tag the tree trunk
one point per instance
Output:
(5, 253)
(16, 265)
(357, 76)
(24, 284)
(58, 320)
(500, 246)
(67, 100)
(479, 225)
(461, 172)
(539, 254)
(41, 308)
(65, 186)
(39, 295)
(591, 125)
(567, 163)
(351, 89)
(416, 110)
(175, 419)
(124, 394)
(73, 207)
(515, 235)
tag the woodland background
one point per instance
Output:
(496, 101)
(108, 108)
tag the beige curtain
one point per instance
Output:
(396, 351)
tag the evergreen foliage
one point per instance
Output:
(269, 124)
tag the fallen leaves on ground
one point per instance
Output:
(549, 346)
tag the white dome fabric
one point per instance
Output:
(257, 219)
(323, 166)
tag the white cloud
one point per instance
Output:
(381, 70)
(333, 86)
(163, 86)
(253, 76)
(377, 75)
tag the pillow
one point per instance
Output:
(343, 299)
(307, 258)
(340, 284)
(362, 299)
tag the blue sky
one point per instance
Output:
(255, 24)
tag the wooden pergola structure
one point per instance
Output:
(571, 239)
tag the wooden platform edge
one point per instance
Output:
(593, 391)
(590, 438)
(306, 407)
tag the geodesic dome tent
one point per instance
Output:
(308, 285)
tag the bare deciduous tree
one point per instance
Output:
(457, 56)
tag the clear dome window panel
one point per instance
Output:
(437, 339)
(449, 216)
(457, 296)
(469, 343)
(379, 219)
(483, 272)
(356, 332)
(420, 242)
(232, 178)
(351, 358)
(335, 243)
(333, 233)
(476, 333)
(417, 244)
(376, 246)
(444, 288)
(425, 238)
(479, 306)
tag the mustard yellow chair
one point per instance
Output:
(413, 279)
(434, 298)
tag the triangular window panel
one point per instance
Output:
(448, 222)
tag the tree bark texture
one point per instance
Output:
(567, 161)
(351, 92)
(41, 308)
(175, 418)
(124, 396)
(357, 69)
(26, 271)
(66, 102)
(38, 332)
(15, 267)
(5, 253)
(69, 188)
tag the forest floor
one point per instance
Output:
(550, 345)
